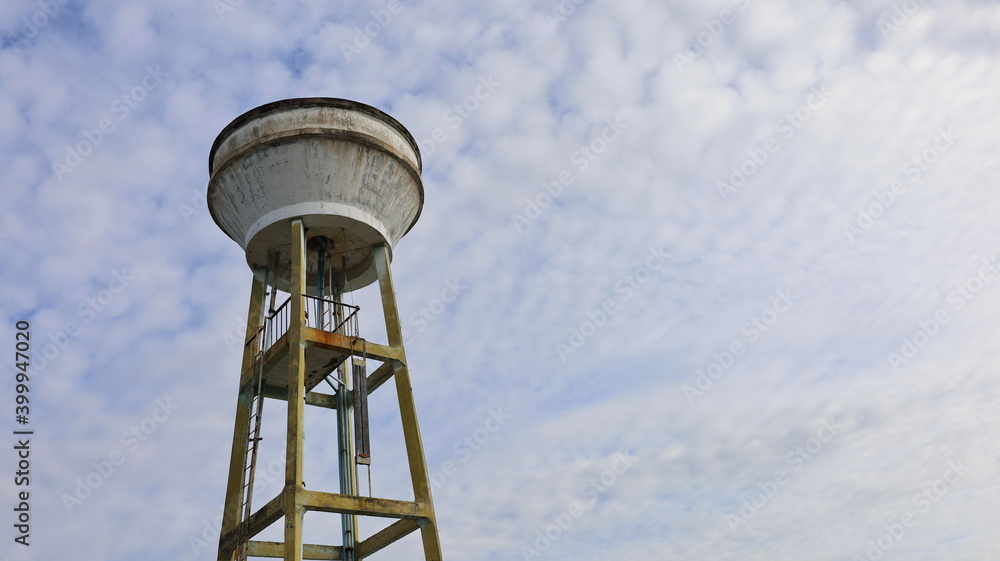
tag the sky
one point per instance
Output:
(707, 280)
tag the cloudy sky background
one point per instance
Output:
(845, 100)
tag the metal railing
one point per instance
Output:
(321, 313)
(275, 325)
(336, 317)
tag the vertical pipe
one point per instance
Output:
(276, 322)
(346, 371)
(321, 254)
(345, 440)
(271, 279)
(296, 397)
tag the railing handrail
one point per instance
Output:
(268, 317)
(275, 312)
(281, 329)
(348, 318)
(329, 301)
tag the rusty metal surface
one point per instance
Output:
(234, 487)
(267, 515)
(368, 506)
(381, 375)
(324, 352)
(295, 419)
(309, 551)
(387, 536)
(407, 408)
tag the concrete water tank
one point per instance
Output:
(350, 171)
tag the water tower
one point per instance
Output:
(317, 192)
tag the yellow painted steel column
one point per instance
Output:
(296, 397)
(241, 432)
(407, 407)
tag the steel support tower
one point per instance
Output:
(312, 236)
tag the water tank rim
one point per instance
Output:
(213, 183)
(334, 102)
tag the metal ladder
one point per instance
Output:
(250, 460)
